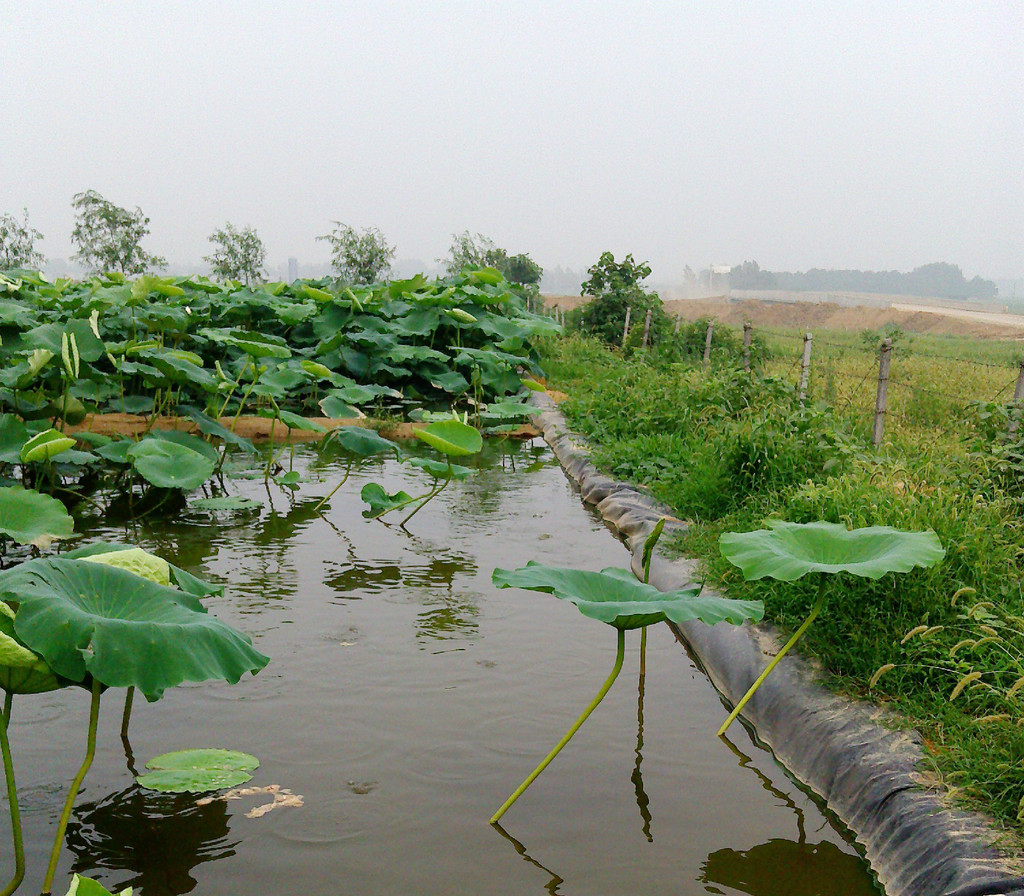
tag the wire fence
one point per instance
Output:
(893, 382)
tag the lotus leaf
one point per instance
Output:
(21, 670)
(45, 445)
(336, 409)
(440, 470)
(184, 580)
(116, 452)
(89, 618)
(292, 421)
(137, 561)
(208, 426)
(361, 441)
(84, 886)
(12, 436)
(187, 440)
(615, 596)
(381, 502)
(33, 518)
(167, 464)
(788, 551)
(257, 345)
(451, 437)
(198, 771)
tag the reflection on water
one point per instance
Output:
(554, 881)
(787, 868)
(642, 800)
(158, 838)
(449, 617)
(783, 867)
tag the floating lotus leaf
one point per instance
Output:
(33, 518)
(167, 464)
(45, 445)
(21, 670)
(198, 771)
(788, 551)
(615, 596)
(451, 437)
(90, 618)
(504, 410)
(381, 502)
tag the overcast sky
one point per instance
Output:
(874, 135)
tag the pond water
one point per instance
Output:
(405, 699)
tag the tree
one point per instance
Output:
(478, 251)
(17, 243)
(108, 236)
(616, 288)
(237, 254)
(359, 256)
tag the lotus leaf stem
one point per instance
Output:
(12, 799)
(126, 716)
(643, 651)
(432, 494)
(619, 654)
(330, 494)
(90, 752)
(815, 610)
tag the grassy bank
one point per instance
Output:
(728, 450)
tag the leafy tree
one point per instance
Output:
(478, 251)
(17, 243)
(359, 256)
(616, 287)
(108, 236)
(237, 254)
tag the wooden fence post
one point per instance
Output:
(805, 366)
(747, 328)
(884, 358)
(1015, 411)
(647, 328)
(707, 343)
(625, 328)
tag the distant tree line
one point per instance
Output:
(940, 280)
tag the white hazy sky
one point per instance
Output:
(875, 135)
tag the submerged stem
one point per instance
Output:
(12, 799)
(619, 654)
(815, 610)
(90, 751)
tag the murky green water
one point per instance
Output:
(405, 699)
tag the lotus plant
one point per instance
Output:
(789, 551)
(614, 596)
(100, 624)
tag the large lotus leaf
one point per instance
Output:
(21, 670)
(380, 501)
(12, 436)
(167, 464)
(615, 596)
(89, 618)
(788, 551)
(258, 345)
(184, 580)
(451, 437)
(85, 886)
(208, 426)
(33, 518)
(116, 452)
(198, 771)
(45, 445)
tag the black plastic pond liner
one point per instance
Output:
(866, 772)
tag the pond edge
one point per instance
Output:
(867, 773)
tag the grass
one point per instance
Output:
(727, 451)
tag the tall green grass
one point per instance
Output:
(727, 450)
